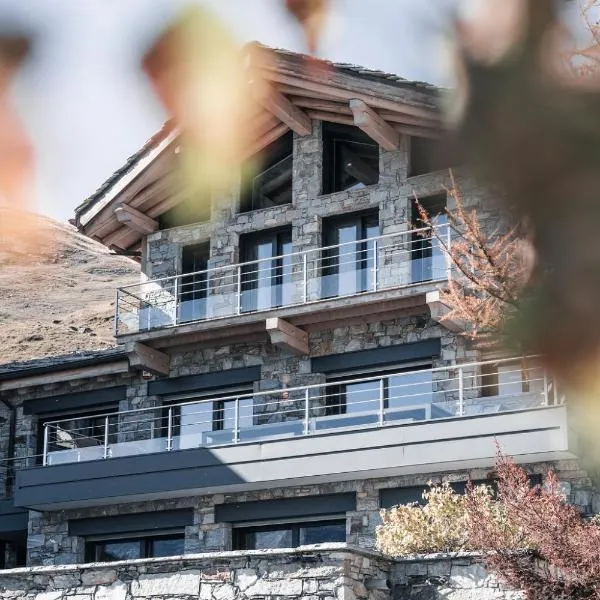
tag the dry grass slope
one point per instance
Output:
(57, 288)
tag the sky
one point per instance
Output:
(87, 106)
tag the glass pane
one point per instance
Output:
(363, 397)
(264, 275)
(410, 397)
(195, 419)
(347, 259)
(166, 547)
(320, 534)
(279, 538)
(245, 415)
(510, 379)
(124, 550)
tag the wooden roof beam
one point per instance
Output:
(144, 358)
(373, 125)
(136, 220)
(287, 112)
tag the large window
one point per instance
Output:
(350, 158)
(428, 257)
(267, 177)
(153, 546)
(267, 274)
(77, 437)
(194, 287)
(511, 378)
(348, 259)
(289, 535)
(405, 395)
(211, 420)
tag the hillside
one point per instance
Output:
(57, 288)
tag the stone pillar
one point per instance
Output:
(49, 542)
(205, 535)
(361, 523)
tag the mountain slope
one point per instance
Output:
(57, 288)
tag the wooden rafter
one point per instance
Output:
(287, 112)
(135, 220)
(373, 125)
(285, 335)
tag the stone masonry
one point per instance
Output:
(321, 572)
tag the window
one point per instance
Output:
(350, 158)
(186, 212)
(289, 535)
(136, 547)
(267, 178)
(348, 259)
(427, 155)
(267, 272)
(428, 257)
(194, 287)
(77, 436)
(13, 550)
(210, 420)
(510, 379)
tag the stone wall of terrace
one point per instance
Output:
(322, 572)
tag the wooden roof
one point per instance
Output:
(385, 106)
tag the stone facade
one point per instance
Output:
(323, 572)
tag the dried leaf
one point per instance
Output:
(311, 15)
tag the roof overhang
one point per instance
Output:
(302, 89)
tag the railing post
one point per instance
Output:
(545, 388)
(45, 451)
(306, 411)
(170, 429)
(176, 296)
(375, 264)
(236, 422)
(461, 392)
(381, 402)
(448, 259)
(106, 437)
(304, 278)
(555, 395)
(239, 290)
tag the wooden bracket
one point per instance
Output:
(136, 220)
(373, 125)
(144, 358)
(287, 112)
(287, 336)
(439, 310)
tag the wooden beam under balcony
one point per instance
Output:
(373, 125)
(136, 220)
(439, 311)
(144, 358)
(286, 336)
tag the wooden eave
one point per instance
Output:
(303, 92)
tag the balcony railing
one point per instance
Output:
(380, 263)
(402, 397)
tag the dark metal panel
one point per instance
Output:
(128, 476)
(207, 381)
(79, 400)
(12, 519)
(286, 508)
(164, 519)
(377, 357)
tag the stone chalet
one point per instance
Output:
(281, 371)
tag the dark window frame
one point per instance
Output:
(282, 149)
(194, 259)
(93, 546)
(278, 237)
(333, 403)
(336, 138)
(422, 242)
(239, 533)
(331, 256)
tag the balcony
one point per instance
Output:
(365, 270)
(403, 422)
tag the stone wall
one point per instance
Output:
(449, 577)
(326, 572)
(321, 572)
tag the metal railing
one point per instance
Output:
(399, 397)
(380, 263)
